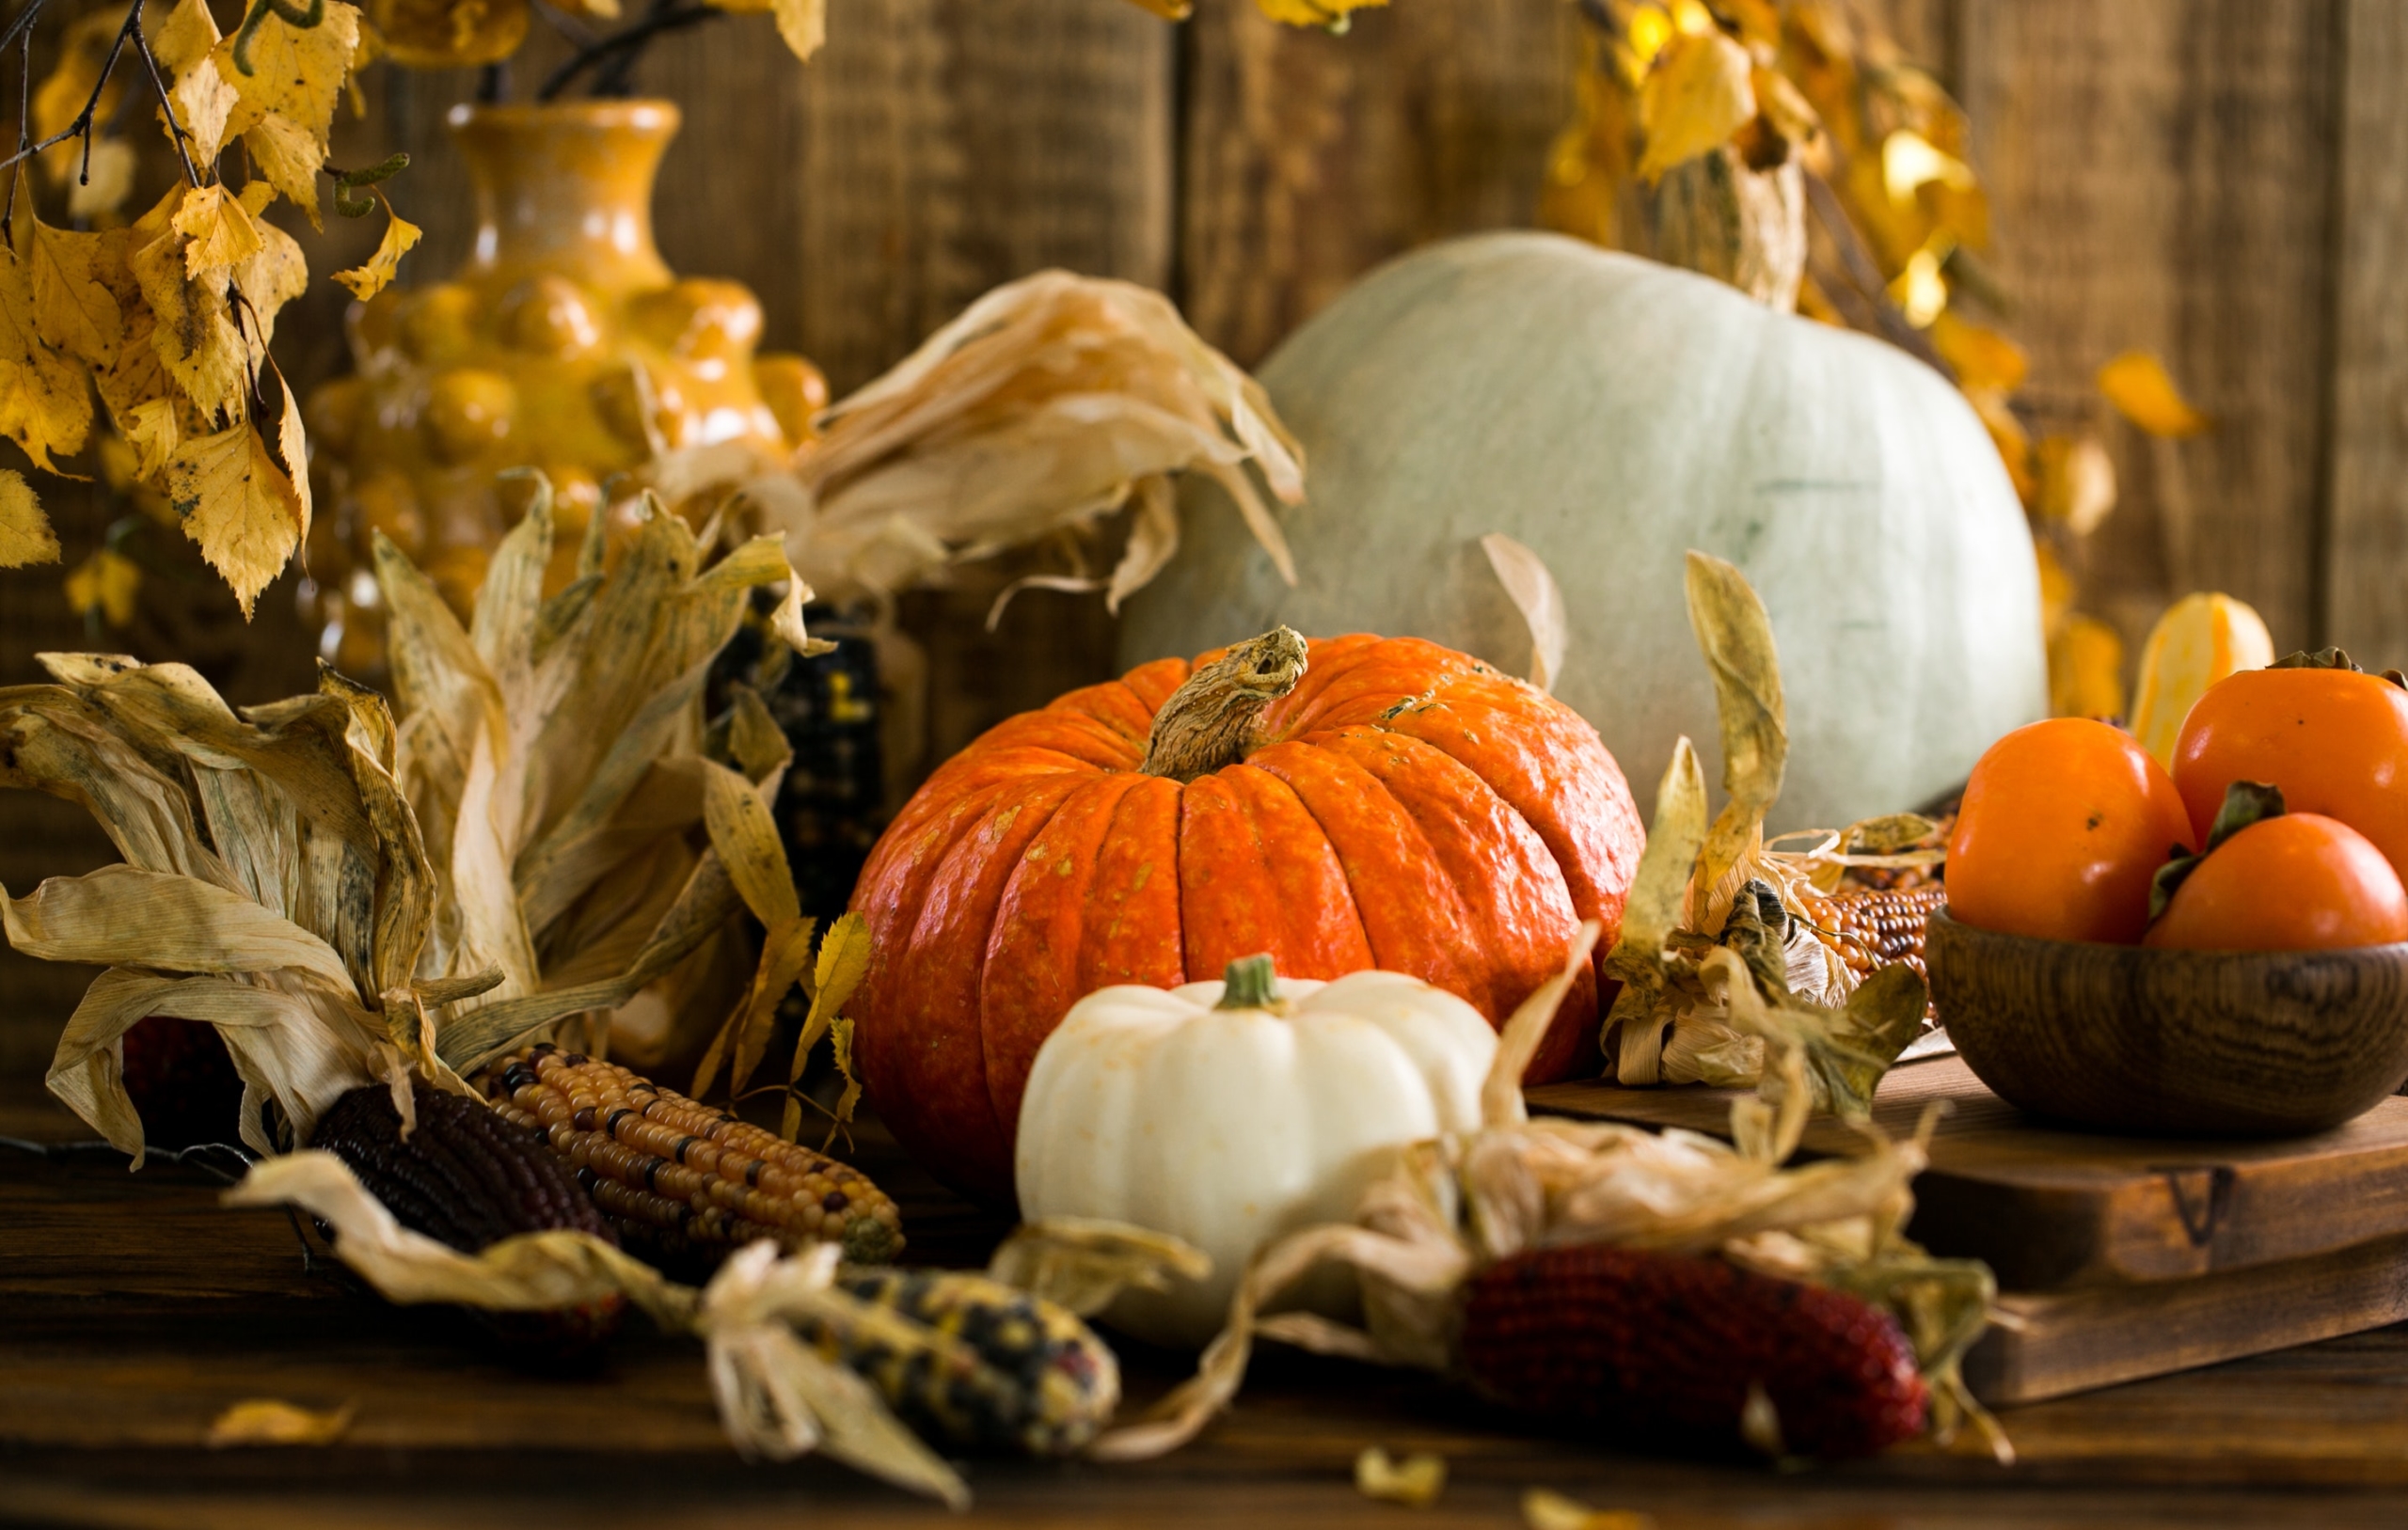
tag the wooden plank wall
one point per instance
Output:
(2216, 179)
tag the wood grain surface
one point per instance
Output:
(2050, 1208)
(138, 1309)
(2174, 1043)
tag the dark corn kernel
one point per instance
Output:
(468, 1178)
(1641, 1340)
(1871, 930)
(684, 1185)
(1041, 1384)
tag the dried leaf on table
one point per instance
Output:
(271, 1421)
(1545, 1509)
(1416, 1481)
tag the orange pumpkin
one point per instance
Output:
(1351, 803)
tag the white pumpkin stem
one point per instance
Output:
(1212, 720)
(1246, 983)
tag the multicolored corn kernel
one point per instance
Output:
(683, 1183)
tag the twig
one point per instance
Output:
(668, 16)
(1857, 263)
(166, 102)
(83, 124)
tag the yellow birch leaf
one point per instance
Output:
(266, 1421)
(2056, 589)
(221, 230)
(365, 281)
(105, 583)
(152, 429)
(45, 405)
(289, 159)
(803, 24)
(72, 311)
(2137, 384)
(268, 280)
(1696, 96)
(206, 103)
(60, 97)
(292, 444)
(298, 71)
(98, 188)
(2077, 482)
(25, 536)
(187, 36)
(193, 329)
(1329, 15)
(1980, 358)
(237, 504)
(451, 34)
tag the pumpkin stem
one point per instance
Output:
(1247, 984)
(1212, 720)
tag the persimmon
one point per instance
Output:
(2063, 824)
(2334, 740)
(2298, 882)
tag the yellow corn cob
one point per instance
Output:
(1873, 929)
(684, 1184)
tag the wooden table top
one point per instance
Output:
(133, 1309)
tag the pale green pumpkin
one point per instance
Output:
(1612, 414)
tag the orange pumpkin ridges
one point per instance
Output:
(1401, 806)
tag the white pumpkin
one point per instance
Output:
(1612, 414)
(1229, 1120)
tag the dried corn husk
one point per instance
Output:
(1049, 403)
(1456, 1204)
(584, 844)
(1705, 889)
(777, 1397)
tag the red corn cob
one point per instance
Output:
(1638, 1339)
(182, 1082)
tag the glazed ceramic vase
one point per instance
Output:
(563, 344)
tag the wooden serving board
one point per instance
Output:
(2048, 1207)
(2121, 1257)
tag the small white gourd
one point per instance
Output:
(1229, 1113)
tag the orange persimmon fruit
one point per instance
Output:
(2298, 882)
(2334, 740)
(2063, 824)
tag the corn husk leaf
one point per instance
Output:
(1081, 1263)
(1050, 402)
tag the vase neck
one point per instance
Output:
(567, 189)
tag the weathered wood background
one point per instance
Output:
(2218, 181)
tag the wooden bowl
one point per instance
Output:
(2174, 1043)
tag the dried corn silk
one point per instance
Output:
(1458, 1204)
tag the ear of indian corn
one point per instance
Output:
(1011, 1372)
(1642, 1340)
(1874, 928)
(466, 1177)
(684, 1184)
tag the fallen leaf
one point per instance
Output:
(106, 582)
(1698, 94)
(25, 536)
(266, 1421)
(2137, 384)
(239, 506)
(1416, 1481)
(365, 281)
(1544, 1510)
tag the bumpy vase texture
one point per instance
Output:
(562, 345)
